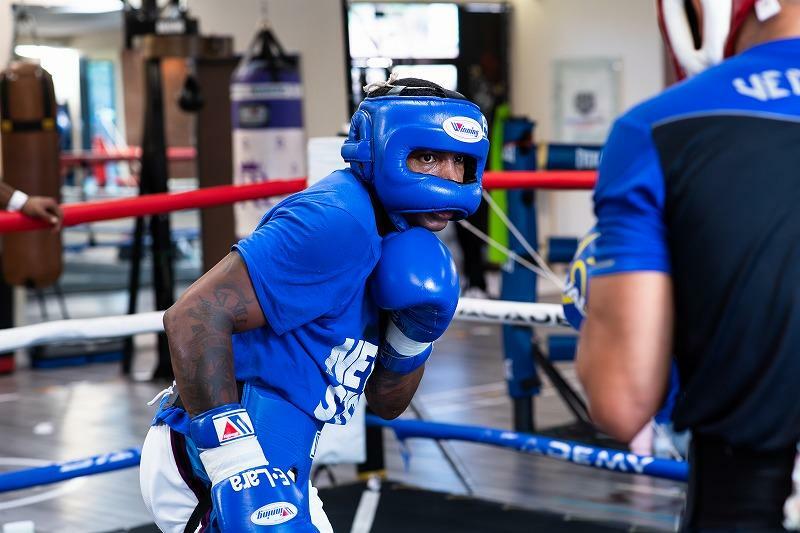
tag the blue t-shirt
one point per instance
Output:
(630, 196)
(701, 182)
(308, 260)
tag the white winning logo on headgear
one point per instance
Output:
(463, 129)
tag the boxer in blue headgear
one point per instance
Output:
(403, 116)
(324, 302)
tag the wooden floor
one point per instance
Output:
(68, 413)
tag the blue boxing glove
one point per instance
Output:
(415, 279)
(248, 493)
(576, 291)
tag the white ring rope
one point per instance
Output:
(513, 313)
(78, 329)
(547, 272)
(511, 254)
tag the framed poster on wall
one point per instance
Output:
(587, 99)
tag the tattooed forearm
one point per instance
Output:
(389, 394)
(202, 357)
(199, 328)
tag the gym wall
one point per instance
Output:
(542, 32)
(6, 28)
(311, 27)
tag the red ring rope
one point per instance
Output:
(151, 204)
(543, 179)
(74, 159)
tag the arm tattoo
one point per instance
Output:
(199, 329)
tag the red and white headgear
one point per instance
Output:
(722, 20)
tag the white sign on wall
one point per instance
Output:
(587, 99)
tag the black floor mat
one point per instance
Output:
(404, 509)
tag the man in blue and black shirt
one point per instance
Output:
(698, 257)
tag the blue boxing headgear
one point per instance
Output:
(386, 129)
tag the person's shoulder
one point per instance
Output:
(724, 88)
(336, 206)
(341, 190)
(691, 95)
(672, 101)
(346, 197)
(342, 186)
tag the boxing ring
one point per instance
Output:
(473, 310)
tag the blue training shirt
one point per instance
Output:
(702, 182)
(308, 260)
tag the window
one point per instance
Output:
(416, 40)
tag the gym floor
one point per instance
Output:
(74, 412)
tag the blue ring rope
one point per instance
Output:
(563, 450)
(44, 475)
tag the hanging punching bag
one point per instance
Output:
(31, 164)
(267, 120)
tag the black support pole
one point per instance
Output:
(348, 83)
(154, 175)
(133, 289)
(374, 464)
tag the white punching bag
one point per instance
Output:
(267, 119)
